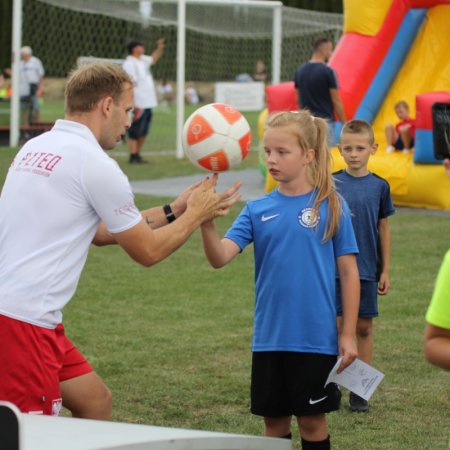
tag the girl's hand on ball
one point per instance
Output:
(228, 199)
(179, 205)
(211, 204)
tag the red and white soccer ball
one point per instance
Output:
(216, 137)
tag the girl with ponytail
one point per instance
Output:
(301, 234)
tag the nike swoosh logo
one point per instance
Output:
(313, 402)
(266, 218)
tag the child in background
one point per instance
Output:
(368, 197)
(191, 94)
(437, 330)
(164, 91)
(300, 233)
(260, 71)
(401, 136)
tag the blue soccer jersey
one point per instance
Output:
(295, 271)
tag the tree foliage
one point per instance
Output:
(5, 33)
(335, 6)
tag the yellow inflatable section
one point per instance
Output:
(373, 12)
(426, 69)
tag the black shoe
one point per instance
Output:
(140, 160)
(357, 403)
(136, 158)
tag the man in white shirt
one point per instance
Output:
(64, 185)
(137, 65)
(31, 76)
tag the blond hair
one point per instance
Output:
(358, 126)
(311, 133)
(402, 103)
(91, 82)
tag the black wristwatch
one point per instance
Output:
(170, 216)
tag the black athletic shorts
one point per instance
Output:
(292, 383)
(141, 126)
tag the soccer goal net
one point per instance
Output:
(222, 43)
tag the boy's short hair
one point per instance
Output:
(318, 41)
(358, 126)
(401, 103)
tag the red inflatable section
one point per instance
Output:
(424, 119)
(425, 3)
(282, 97)
(357, 58)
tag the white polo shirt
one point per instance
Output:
(59, 187)
(144, 86)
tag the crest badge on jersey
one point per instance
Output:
(308, 218)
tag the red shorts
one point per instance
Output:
(33, 361)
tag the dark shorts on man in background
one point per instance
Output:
(141, 126)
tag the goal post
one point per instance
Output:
(15, 99)
(275, 6)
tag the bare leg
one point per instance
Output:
(406, 138)
(133, 146)
(277, 426)
(140, 143)
(364, 336)
(313, 428)
(87, 397)
(391, 134)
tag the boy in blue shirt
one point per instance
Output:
(369, 199)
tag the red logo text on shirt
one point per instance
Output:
(39, 163)
(125, 209)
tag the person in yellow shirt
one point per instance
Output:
(437, 329)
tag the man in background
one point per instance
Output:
(137, 65)
(30, 85)
(317, 86)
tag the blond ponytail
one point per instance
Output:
(322, 179)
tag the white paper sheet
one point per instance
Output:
(359, 377)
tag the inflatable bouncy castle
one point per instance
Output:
(392, 50)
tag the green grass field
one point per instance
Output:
(173, 341)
